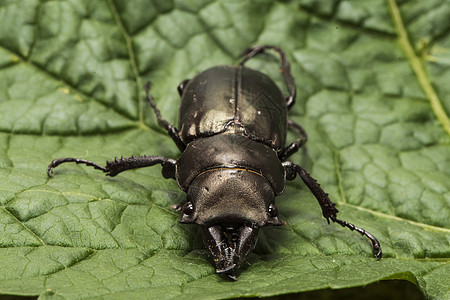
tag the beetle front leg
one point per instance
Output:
(328, 207)
(123, 164)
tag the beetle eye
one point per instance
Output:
(273, 211)
(181, 86)
(188, 208)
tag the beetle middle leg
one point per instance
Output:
(329, 210)
(173, 132)
(294, 146)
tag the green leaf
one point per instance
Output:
(373, 94)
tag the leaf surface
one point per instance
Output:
(372, 84)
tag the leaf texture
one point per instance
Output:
(372, 84)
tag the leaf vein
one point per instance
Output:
(418, 67)
(24, 226)
(132, 57)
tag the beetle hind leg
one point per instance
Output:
(173, 132)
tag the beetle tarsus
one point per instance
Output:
(375, 244)
(59, 161)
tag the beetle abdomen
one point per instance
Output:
(233, 96)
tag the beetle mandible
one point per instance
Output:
(232, 137)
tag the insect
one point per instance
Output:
(232, 136)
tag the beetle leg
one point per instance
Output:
(173, 132)
(329, 210)
(285, 68)
(293, 147)
(59, 161)
(328, 207)
(123, 164)
(375, 244)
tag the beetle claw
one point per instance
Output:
(378, 253)
(226, 269)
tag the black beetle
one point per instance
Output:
(232, 135)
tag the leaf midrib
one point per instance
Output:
(132, 56)
(391, 217)
(418, 67)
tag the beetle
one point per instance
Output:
(233, 124)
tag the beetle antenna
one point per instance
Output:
(171, 130)
(285, 68)
(152, 102)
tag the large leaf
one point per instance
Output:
(373, 95)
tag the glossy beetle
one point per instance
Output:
(232, 135)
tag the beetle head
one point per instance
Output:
(231, 204)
